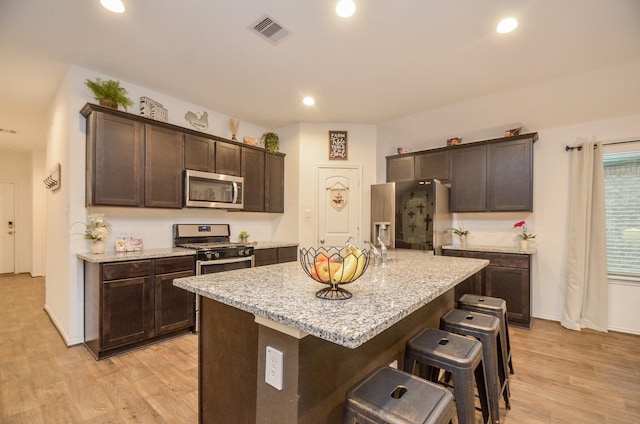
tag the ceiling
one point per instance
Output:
(391, 59)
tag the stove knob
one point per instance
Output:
(208, 255)
(216, 255)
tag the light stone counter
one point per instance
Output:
(273, 244)
(113, 256)
(284, 294)
(493, 249)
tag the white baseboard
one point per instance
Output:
(67, 341)
(618, 329)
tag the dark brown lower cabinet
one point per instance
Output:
(508, 276)
(133, 303)
(276, 255)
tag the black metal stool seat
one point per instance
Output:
(496, 307)
(433, 350)
(390, 396)
(486, 329)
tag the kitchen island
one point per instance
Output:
(327, 345)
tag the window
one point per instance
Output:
(622, 209)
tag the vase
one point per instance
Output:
(463, 241)
(108, 103)
(524, 244)
(97, 246)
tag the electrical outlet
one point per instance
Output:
(273, 368)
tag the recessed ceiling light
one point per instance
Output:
(507, 25)
(115, 6)
(308, 100)
(345, 8)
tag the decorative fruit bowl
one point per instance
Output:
(334, 266)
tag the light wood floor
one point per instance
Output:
(561, 376)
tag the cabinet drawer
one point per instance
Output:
(287, 254)
(120, 270)
(510, 260)
(266, 256)
(175, 264)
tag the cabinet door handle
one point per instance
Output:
(321, 241)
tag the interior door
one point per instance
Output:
(7, 228)
(339, 205)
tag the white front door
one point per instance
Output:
(339, 205)
(7, 228)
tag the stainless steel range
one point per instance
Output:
(214, 250)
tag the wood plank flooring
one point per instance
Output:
(562, 376)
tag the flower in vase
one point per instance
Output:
(97, 228)
(523, 226)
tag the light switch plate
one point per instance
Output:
(274, 368)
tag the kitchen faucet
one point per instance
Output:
(383, 253)
(376, 253)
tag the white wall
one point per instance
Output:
(66, 209)
(15, 168)
(313, 152)
(604, 93)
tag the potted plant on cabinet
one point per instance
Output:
(462, 233)
(243, 236)
(109, 93)
(271, 142)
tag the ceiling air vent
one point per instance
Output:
(269, 29)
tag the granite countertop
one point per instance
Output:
(132, 256)
(493, 249)
(382, 297)
(273, 244)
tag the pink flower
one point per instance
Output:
(519, 224)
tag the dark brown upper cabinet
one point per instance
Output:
(485, 176)
(115, 161)
(138, 162)
(228, 159)
(164, 160)
(274, 183)
(400, 168)
(469, 179)
(432, 165)
(253, 171)
(199, 153)
(510, 176)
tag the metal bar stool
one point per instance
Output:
(496, 307)
(486, 329)
(390, 396)
(433, 350)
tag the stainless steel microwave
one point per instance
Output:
(209, 190)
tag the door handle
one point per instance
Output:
(321, 241)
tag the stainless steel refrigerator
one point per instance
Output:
(411, 215)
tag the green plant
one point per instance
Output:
(109, 90)
(271, 142)
(460, 231)
(243, 235)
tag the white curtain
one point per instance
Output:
(586, 300)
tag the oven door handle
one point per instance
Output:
(226, 261)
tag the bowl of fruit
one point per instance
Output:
(334, 266)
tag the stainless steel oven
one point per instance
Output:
(209, 266)
(214, 250)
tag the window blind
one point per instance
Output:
(622, 209)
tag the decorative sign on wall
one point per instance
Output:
(338, 196)
(338, 145)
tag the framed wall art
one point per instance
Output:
(338, 145)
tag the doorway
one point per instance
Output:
(7, 228)
(339, 205)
